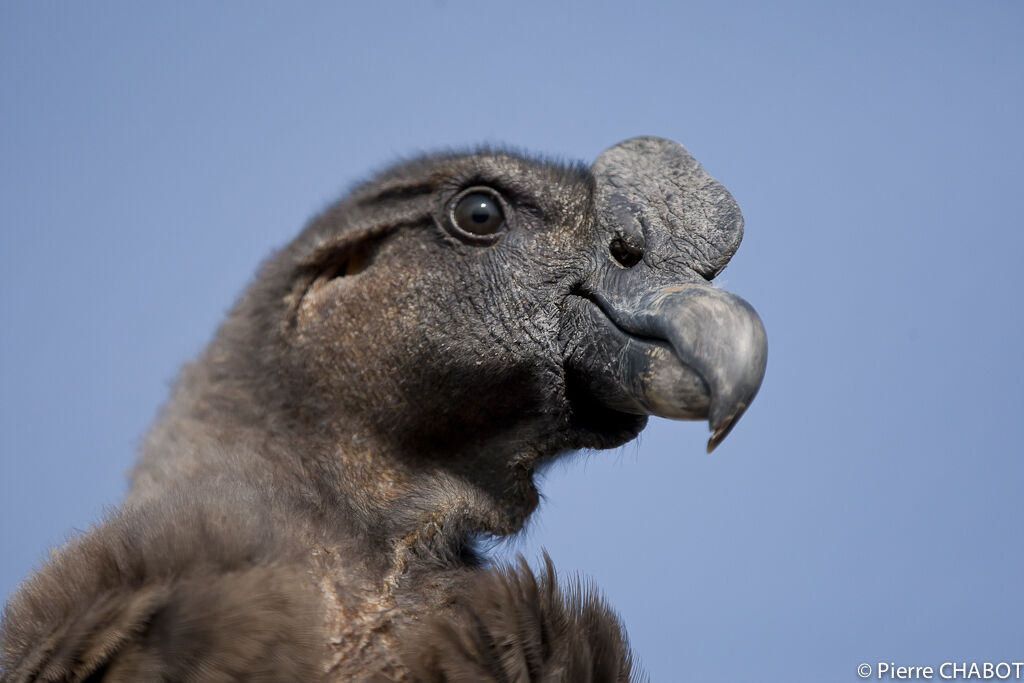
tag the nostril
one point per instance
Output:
(626, 254)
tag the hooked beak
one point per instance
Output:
(691, 351)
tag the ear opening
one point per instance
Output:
(327, 264)
(346, 262)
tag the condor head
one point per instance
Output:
(463, 317)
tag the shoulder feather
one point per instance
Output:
(182, 588)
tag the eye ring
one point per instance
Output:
(478, 215)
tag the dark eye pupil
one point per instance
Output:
(482, 213)
(478, 213)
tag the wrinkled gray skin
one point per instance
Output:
(306, 505)
(692, 351)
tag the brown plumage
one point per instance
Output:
(513, 626)
(306, 506)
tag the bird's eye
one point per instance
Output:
(478, 213)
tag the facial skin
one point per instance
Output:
(414, 353)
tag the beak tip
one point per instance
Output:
(723, 427)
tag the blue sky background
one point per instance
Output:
(869, 505)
